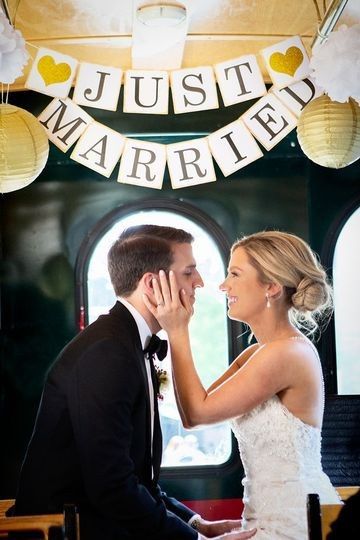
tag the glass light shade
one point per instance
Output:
(159, 34)
(24, 148)
(329, 132)
(161, 15)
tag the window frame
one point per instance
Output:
(234, 329)
(327, 341)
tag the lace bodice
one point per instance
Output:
(271, 430)
(282, 463)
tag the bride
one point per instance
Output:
(273, 392)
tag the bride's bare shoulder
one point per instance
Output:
(295, 348)
(246, 354)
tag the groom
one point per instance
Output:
(97, 438)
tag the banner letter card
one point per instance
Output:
(64, 122)
(99, 148)
(98, 86)
(190, 163)
(146, 92)
(269, 120)
(142, 164)
(287, 61)
(52, 73)
(240, 79)
(233, 147)
(193, 90)
(297, 95)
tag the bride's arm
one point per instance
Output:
(266, 374)
(178, 403)
(259, 379)
(234, 366)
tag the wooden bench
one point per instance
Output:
(68, 522)
(347, 491)
(320, 517)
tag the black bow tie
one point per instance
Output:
(156, 346)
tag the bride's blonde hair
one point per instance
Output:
(286, 259)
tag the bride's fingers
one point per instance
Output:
(158, 295)
(149, 304)
(174, 288)
(165, 289)
(185, 300)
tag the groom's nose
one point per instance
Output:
(198, 281)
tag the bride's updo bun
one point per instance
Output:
(286, 259)
(310, 295)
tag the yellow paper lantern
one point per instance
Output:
(329, 132)
(24, 148)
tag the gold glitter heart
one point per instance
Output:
(288, 62)
(51, 72)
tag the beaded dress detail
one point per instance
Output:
(282, 463)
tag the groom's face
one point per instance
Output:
(184, 267)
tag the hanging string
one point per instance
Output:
(6, 9)
(16, 10)
(4, 101)
(318, 14)
(28, 44)
(31, 45)
(12, 19)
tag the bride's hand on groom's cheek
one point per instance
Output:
(171, 306)
(173, 296)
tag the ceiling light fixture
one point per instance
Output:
(159, 34)
(161, 15)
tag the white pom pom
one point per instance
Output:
(13, 55)
(336, 64)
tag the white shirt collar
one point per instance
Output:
(143, 327)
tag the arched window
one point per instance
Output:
(347, 305)
(208, 329)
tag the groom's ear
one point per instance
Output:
(147, 282)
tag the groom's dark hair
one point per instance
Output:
(141, 249)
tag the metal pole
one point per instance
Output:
(4, 7)
(330, 19)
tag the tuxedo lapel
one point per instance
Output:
(125, 318)
(120, 311)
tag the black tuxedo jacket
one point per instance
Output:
(91, 443)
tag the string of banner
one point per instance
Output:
(189, 162)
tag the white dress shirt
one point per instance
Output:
(145, 335)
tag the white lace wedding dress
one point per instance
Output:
(282, 463)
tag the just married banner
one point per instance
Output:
(142, 163)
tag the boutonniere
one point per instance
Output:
(163, 381)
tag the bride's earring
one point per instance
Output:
(268, 305)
